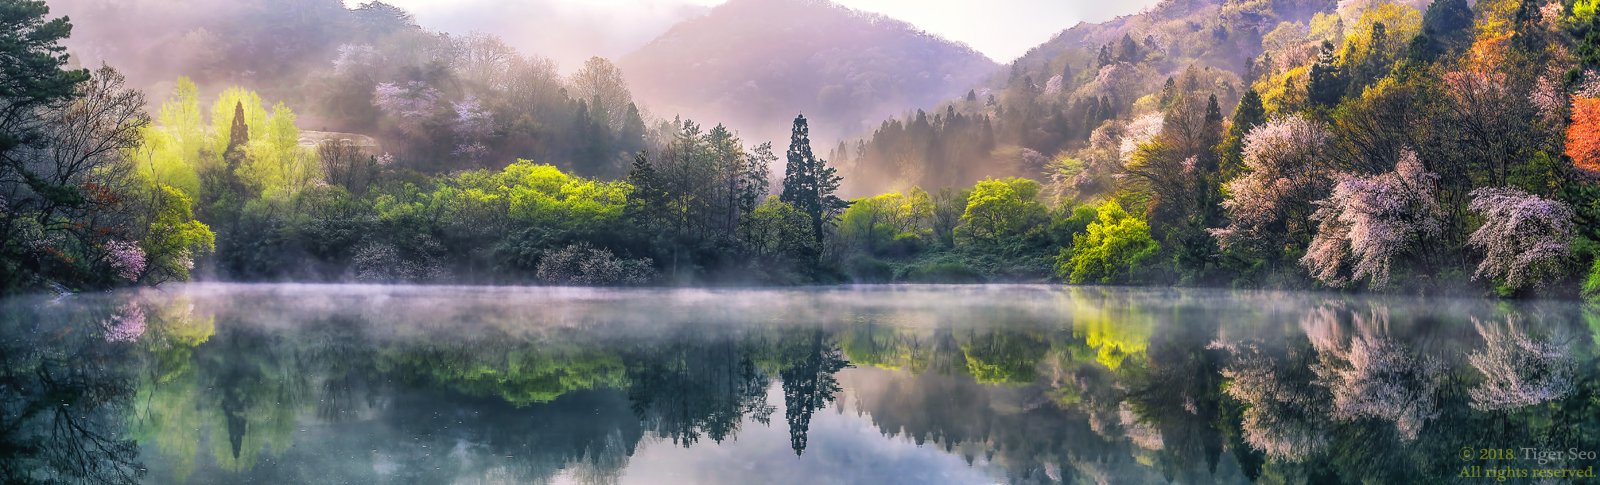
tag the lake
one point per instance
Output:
(212, 383)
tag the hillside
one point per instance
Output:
(1055, 96)
(748, 61)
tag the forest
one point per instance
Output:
(1361, 145)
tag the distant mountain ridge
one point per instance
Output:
(754, 63)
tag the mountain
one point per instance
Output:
(754, 64)
(1048, 103)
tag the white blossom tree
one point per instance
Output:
(1282, 179)
(1368, 222)
(1371, 375)
(1525, 239)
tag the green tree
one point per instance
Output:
(1002, 213)
(1111, 251)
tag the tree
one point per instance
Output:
(1111, 251)
(31, 59)
(777, 237)
(602, 80)
(66, 191)
(1368, 222)
(1518, 370)
(809, 183)
(1283, 175)
(173, 239)
(1525, 239)
(1247, 116)
(1002, 213)
(1327, 83)
(1583, 135)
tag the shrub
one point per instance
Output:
(867, 269)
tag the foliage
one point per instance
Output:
(889, 224)
(1583, 135)
(1111, 251)
(1001, 212)
(1591, 284)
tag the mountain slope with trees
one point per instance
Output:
(748, 59)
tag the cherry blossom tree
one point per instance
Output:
(126, 324)
(1525, 238)
(411, 104)
(1282, 179)
(1370, 221)
(473, 126)
(1283, 415)
(126, 258)
(1371, 375)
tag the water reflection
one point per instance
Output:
(312, 384)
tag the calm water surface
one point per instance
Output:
(1020, 384)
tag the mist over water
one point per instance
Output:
(215, 383)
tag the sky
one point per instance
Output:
(570, 31)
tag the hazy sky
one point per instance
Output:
(572, 30)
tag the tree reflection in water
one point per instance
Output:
(1031, 384)
(63, 392)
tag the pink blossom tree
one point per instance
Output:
(1525, 239)
(474, 124)
(1268, 204)
(412, 105)
(126, 258)
(126, 324)
(1369, 374)
(1284, 416)
(1368, 222)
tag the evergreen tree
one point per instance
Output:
(1446, 27)
(1326, 84)
(1128, 50)
(809, 183)
(31, 61)
(1246, 117)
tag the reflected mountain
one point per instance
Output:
(1017, 384)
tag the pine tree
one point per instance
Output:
(1327, 83)
(809, 184)
(1128, 50)
(238, 138)
(1246, 117)
(648, 195)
